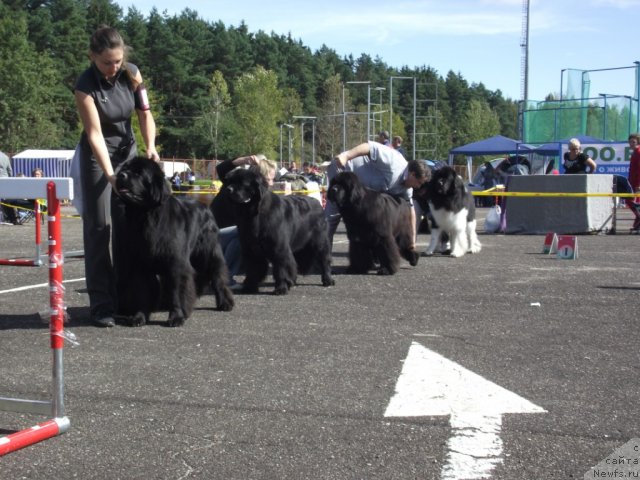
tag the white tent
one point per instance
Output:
(54, 163)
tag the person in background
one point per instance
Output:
(577, 162)
(37, 173)
(397, 144)
(380, 168)
(383, 138)
(293, 168)
(175, 182)
(634, 178)
(107, 94)
(8, 213)
(309, 175)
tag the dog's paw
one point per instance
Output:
(225, 301)
(175, 320)
(226, 306)
(413, 258)
(456, 253)
(137, 320)
(475, 248)
(282, 290)
(328, 282)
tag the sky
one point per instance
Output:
(478, 39)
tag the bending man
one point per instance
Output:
(380, 168)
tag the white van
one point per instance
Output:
(170, 167)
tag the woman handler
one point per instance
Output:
(106, 95)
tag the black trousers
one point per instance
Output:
(102, 222)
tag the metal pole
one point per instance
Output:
(281, 125)
(391, 107)
(369, 136)
(313, 142)
(301, 142)
(344, 123)
(415, 88)
(290, 146)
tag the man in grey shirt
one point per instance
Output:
(380, 168)
(9, 213)
(5, 166)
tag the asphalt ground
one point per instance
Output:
(296, 386)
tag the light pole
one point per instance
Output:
(302, 119)
(344, 113)
(289, 144)
(379, 112)
(391, 79)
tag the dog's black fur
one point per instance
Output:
(378, 225)
(172, 245)
(453, 209)
(290, 232)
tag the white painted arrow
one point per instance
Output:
(431, 385)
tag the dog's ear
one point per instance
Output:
(459, 183)
(259, 187)
(353, 187)
(159, 187)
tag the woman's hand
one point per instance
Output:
(153, 155)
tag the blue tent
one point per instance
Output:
(491, 146)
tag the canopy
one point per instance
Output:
(496, 145)
(491, 146)
(53, 163)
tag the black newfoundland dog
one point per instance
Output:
(453, 210)
(290, 232)
(378, 225)
(172, 246)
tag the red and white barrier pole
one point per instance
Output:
(59, 424)
(56, 297)
(37, 220)
(32, 435)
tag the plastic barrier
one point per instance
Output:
(56, 189)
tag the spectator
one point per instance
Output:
(37, 173)
(634, 177)
(175, 182)
(577, 162)
(383, 138)
(397, 144)
(293, 168)
(106, 94)
(191, 178)
(309, 175)
(8, 213)
(380, 168)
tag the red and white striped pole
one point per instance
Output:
(60, 423)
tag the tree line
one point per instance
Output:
(221, 91)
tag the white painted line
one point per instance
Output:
(432, 385)
(39, 285)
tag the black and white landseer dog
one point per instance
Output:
(172, 248)
(290, 232)
(378, 225)
(453, 210)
